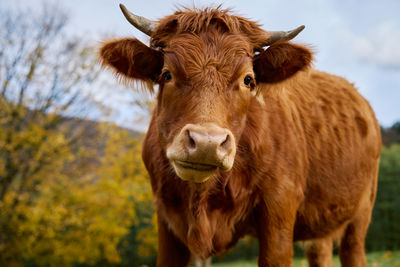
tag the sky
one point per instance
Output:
(359, 40)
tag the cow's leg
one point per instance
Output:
(319, 252)
(171, 251)
(198, 262)
(352, 251)
(275, 235)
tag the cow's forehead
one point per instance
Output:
(204, 21)
(194, 54)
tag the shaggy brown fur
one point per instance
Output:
(307, 148)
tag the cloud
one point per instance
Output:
(380, 46)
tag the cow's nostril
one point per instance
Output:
(226, 142)
(190, 141)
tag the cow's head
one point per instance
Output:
(207, 64)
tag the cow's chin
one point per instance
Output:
(194, 172)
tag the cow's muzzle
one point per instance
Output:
(198, 151)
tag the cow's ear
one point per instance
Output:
(133, 59)
(281, 61)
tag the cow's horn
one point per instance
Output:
(276, 36)
(144, 25)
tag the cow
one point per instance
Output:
(247, 138)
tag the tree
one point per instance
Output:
(122, 161)
(56, 207)
(42, 77)
(384, 232)
(391, 134)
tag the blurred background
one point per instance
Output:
(73, 190)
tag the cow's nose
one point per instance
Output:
(208, 144)
(199, 150)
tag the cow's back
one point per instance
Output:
(342, 144)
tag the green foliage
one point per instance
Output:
(396, 127)
(245, 249)
(384, 231)
(391, 134)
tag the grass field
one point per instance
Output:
(375, 259)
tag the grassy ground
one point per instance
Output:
(375, 259)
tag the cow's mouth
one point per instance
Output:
(193, 171)
(195, 166)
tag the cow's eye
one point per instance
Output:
(167, 76)
(249, 82)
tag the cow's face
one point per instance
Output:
(206, 82)
(205, 89)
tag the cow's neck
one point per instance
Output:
(200, 232)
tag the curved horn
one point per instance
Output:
(275, 36)
(142, 24)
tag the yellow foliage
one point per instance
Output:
(70, 188)
(61, 214)
(147, 238)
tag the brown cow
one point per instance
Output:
(246, 139)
